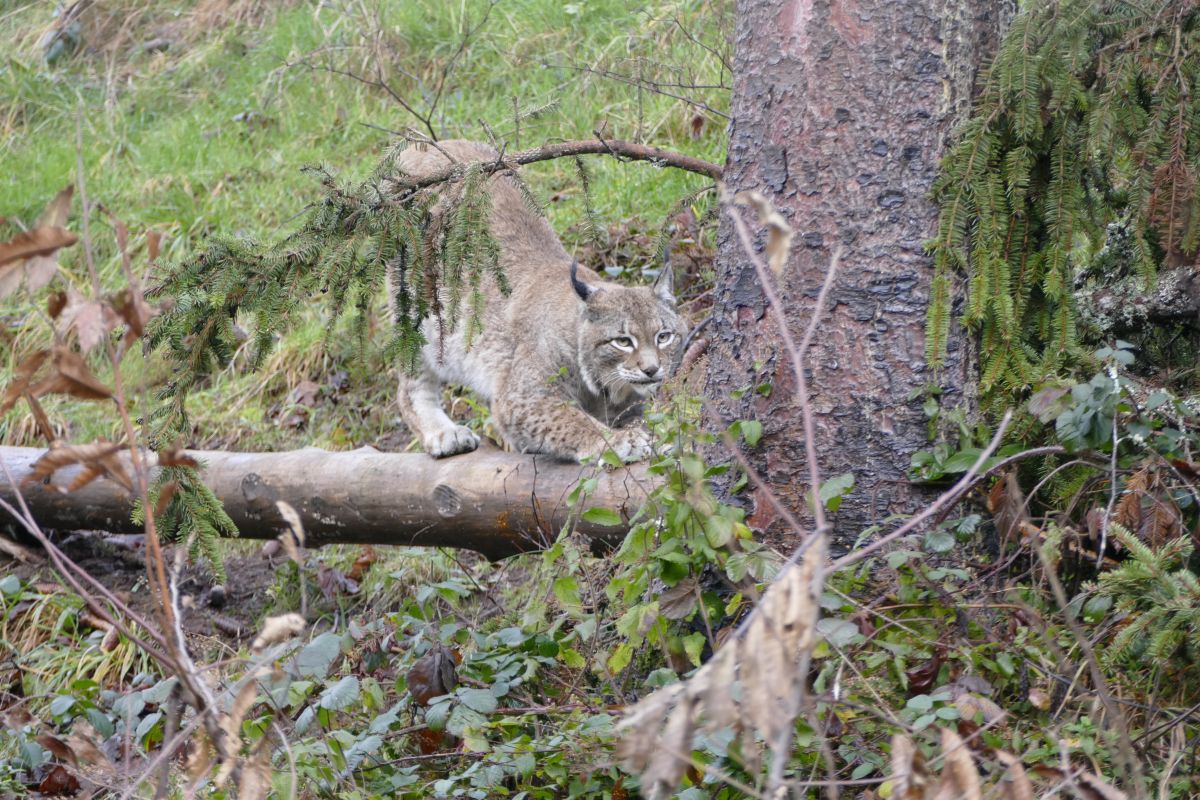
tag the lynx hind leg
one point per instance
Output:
(421, 407)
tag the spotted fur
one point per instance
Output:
(565, 361)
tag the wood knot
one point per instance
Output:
(447, 500)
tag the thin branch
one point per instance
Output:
(612, 147)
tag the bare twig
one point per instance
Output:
(613, 147)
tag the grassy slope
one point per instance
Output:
(209, 137)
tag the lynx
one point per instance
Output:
(565, 360)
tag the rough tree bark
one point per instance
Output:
(492, 502)
(841, 111)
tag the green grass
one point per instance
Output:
(209, 138)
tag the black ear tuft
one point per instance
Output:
(582, 289)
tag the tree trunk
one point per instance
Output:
(841, 112)
(494, 503)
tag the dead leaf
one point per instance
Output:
(910, 776)
(56, 303)
(71, 376)
(21, 378)
(1018, 785)
(91, 320)
(43, 421)
(679, 600)
(153, 242)
(58, 782)
(176, 457)
(960, 779)
(333, 581)
(432, 675)
(98, 459)
(35, 242)
(922, 677)
(1008, 507)
(366, 557)
(779, 232)
(58, 748)
(277, 629)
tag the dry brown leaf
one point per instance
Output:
(231, 723)
(366, 557)
(277, 629)
(70, 376)
(55, 304)
(199, 758)
(720, 708)
(60, 749)
(960, 779)
(659, 728)
(679, 600)
(57, 210)
(153, 242)
(82, 741)
(254, 781)
(779, 232)
(1017, 786)
(40, 241)
(43, 421)
(672, 754)
(176, 457)
(91, 320)
(1007, 504)
(910, 777)
(98, 459)
(21, 378)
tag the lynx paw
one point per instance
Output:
(450, 442)
(630, 444)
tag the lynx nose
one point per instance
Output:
(651, 370)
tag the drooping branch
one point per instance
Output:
(618, 148)
(492, 502)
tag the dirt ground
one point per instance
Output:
(227, 613)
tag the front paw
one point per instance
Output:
(630, 444)
(450, 442)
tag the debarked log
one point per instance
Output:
(495, 503)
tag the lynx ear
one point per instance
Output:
(582, 289)
(664, 286)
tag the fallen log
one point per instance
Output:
(495, 503)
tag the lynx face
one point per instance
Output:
(628, 337)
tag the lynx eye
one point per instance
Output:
(665, 338)
(624, 343)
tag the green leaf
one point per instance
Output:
(566, 589)
(317, 656)
(620, 658)
(481, 700)
(602, 516)
(462, 718)
(835, 489)
(340, 695)
(718, 530)
(693, 645)
(10, 585)
(751, 431)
